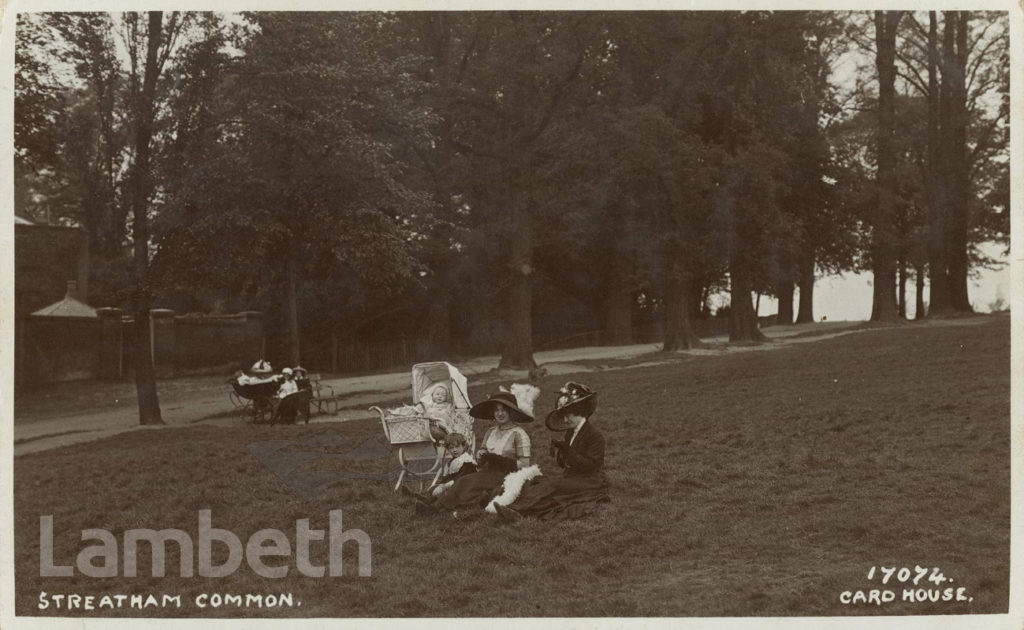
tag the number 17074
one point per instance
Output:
(906, 575)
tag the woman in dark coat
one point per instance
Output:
(580, 453)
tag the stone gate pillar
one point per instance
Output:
(111, 343)
(162, 321)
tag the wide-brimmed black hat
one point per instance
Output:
(485, 410)
(572, 398)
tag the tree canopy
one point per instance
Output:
(497, 180)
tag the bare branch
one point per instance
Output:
(860, 37)
(914, 78)
(979, 58)
(982, 144)
(923, 90)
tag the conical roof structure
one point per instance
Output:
(69, 306)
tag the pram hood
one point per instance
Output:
(426, 375)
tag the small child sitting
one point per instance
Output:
(460, 464)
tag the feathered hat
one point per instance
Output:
(518, 399)
(572, 398)
(261, 367)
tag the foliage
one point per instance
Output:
(428, 158)
(300, 164)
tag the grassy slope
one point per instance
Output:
(760, 483)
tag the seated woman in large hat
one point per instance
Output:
(505, 448)
(580, 453)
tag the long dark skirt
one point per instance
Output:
(473, 490)
(563, 497)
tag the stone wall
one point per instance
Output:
(53, 349)
(187, 344)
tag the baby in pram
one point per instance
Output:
(261, 372)
(437, 405)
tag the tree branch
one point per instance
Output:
(980, 57)
(916, 80)
(982, 143)
(560, 91)
(465, 148)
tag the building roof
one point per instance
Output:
(22, 221)
(68, 307)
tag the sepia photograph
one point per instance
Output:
(607, 315)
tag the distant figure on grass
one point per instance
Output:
(506, 447)
(288, 393)
(288, 385)
(460, 464)
(580, 453)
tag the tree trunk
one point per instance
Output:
(805, 314)
(145, 374)
(785, 289)
(960, 166)
(705, 300)
(518, 351)
(292, 311)
(618, 299)
(919, 313)
(439, 324)
(145, 378)
(111, 233)
(696, 300)
(901, 288)
(883, 308)
(618, 316)
(679, 333)
(742, 319)
(883, 304)
(334, 350)
(939, 157)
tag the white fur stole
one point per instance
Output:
(512, 486)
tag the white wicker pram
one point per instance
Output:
(420, 450)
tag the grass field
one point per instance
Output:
(761, 483)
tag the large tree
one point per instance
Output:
(883, 305)
(957, 63)
(632, 182)
(505, 80)
(302, 180)
(761, 109)
(150, 42)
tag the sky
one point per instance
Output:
(847, 297)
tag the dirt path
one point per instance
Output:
(46, 425)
